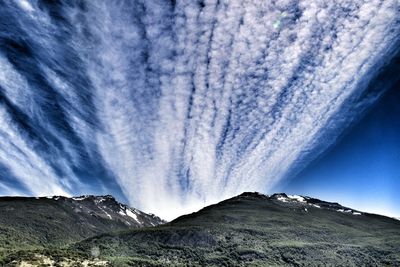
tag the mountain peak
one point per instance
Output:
(88, 213)
(298, 201)
(252, 195)
(92, 197)
(259, 230)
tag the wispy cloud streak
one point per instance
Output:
(182, 103)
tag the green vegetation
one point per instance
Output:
(27, 223)
(248, 230)
(40, 229)
(253, 231)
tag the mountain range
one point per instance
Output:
(29, 222)
(251, 229)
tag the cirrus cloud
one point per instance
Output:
(178, 104)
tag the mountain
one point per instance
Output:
(28, 222)
(251, 229)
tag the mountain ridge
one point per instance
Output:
(250, 229)
(253, 229)
(44, 221)
(294, 199)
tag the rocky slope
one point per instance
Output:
(27, 222)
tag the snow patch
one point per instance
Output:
(122, 212)
(129, 213)
(345, 211)
(109, 216)
(80, 198)
(132, 215)
(297, 198)
(283, 199)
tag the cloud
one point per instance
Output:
(189, 103)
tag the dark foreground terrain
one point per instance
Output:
(32, 224)
(247, 230)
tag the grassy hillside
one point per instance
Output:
(255, 230)
(32, 224)
(248, 230)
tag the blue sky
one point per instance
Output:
(171, 106)
(362, 170)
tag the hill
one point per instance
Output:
(28, 222)
(258, 230)
(251, 229)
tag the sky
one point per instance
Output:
(362, 169)
(174, 105)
